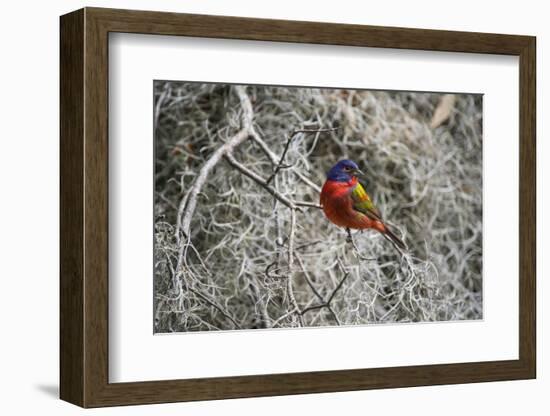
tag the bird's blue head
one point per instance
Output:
(344, 171)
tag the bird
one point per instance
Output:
(346, 203)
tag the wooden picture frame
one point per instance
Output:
(84, 207)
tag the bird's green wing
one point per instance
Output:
(363, 203)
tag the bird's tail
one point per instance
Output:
(395, 240)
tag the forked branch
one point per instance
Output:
(281, 165)
(189, 202)
(327, 303)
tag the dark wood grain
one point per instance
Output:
(84, 207)
(226, 27)
(71, 100)
(96, 220)
(527, 208)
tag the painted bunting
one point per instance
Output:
(346, 203)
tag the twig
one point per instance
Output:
(314, 307)
(308, 182)
(312, 243)
(316, 292)
(308, 204)
(158, 106)
(337, 288)
(331, 297)
(263, 145)
(263, 305)
(281, 165)
(268, 270)
(280, 318)
(259, 180)
(357, 251)
(215, 305)
(315, 130)
(290, 290)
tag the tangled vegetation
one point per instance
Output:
(240, 241)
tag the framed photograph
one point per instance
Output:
(256, 207)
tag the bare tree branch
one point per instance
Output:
(316, 292)
(308, 181)
(357, 251)
(215, 305)
(290, 290)
(265, 148)
(282, 317)
(281, 165)
(259, 180)
(308, 204)
(266, 320)
(330, 298)
(189, 202)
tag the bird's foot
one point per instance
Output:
(349, 239)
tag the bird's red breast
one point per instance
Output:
(337, 204)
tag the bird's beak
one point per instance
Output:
(358, 172)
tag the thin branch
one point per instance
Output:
(281, 165)
(280, 318)
(330, 298)
(337, 288)
(263, 305)
(315, 291)
(312, 243)
(259, 180)
(158, 106)
(357, 251)
(308, 182)
(308, 204)
(263, 145)
(290, 290)
(315, 130)
(215, 305)
(268, 272)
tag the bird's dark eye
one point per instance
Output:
(346, 168)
